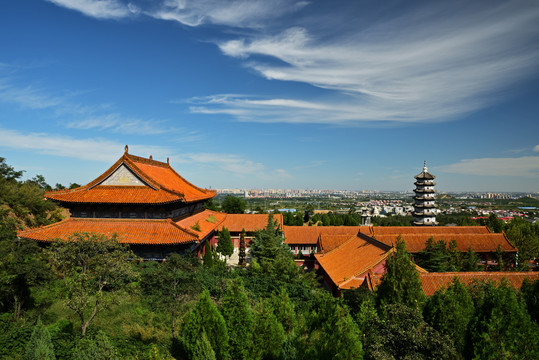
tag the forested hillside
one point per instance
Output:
(91, 298)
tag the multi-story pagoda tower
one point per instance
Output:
(424, 200)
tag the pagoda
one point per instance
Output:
(424, 199)
(144, 202)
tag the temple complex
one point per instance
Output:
(146, 204)
(424, 199)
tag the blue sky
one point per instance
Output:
(275, 94)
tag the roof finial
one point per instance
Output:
(425, 165)
(168, 162)
(126, 148)
(151, 158)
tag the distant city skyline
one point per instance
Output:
(275, 94)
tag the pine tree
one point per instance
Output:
(205, 318)
(40, 345)
(470, 261)
(502, 328)
(239, 320)
(401, 283)
(208, 255)
(225, 246)
(241, 261)
(203, 349)
(449, 311)
(269, 332)
(268, 243)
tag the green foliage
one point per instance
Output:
(167, 283)
(330, 332)
(401, 283)
(450, 311)
(98, 347)
(208, 255)
(268, 243)
(7, 172)
(501, 327)
(40, 345)
(403, 334)
(438, 256)
(529, 293)
(242, 256)
(225, 246)
(203, 349)
(470, 261)
(205, 319)
(394, 220)
(237, 314)
(269, 333)
(233, 205)
(196, 226)
(525, 236)
(494, 224)
(94, 269)
(22, 265)
(284, 310)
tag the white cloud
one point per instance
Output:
(87, 149)
(526, 166)
(536, 148)
(431, 64)
(101, 9)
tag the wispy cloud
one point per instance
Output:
(536, 148)
(96, 117)
(87, 149)
(235, 13)
(432, 61)
(526, 166)
(430, 64)
(116, 123)
(101, 9)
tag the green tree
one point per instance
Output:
(208, 255)
(225, 246)
(203, 349)
(98, 347)
(166, 284)
(242, 256)
(403, 334)
(401, 283)
(494, 224)
(470, 261)
(529, 293)
(269, 338)
(268, 243)
(501, 327)
(449, 311)
(94, 270)
(40, 345)
(7, 172)
(239, 320)
(205, 319)
(233, 205)
(22, 265)
(284, 310)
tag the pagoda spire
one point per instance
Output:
(424, 199)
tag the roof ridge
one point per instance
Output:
(341, 245)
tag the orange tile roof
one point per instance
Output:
(478, 242)
(162, 185)
(432, 230)
(328, 242)
(432, 282)
(310, 234)
(249, 222)
(207, 220)
(129, 231)
(352, 259)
